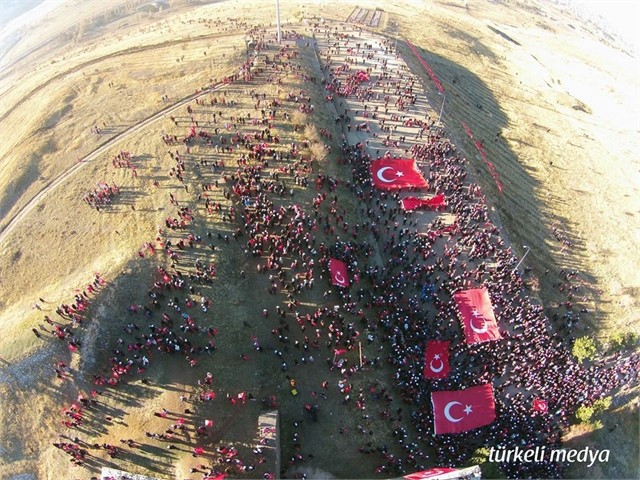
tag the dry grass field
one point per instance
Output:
(554, 105)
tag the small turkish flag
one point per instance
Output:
(462, 410)
(478, 318)
(436, 359)
(339, 273)
(540, 405)
(390, 174)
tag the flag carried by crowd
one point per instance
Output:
(339, 272)
(478, 320)
(462, 410)
(394, 173)
(436, 359)
(413, 203)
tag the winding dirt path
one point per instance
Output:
(26, 209)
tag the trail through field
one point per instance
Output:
(95, 154)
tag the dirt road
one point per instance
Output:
(93, 155)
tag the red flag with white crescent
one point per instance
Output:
(391, 174)
(540, 405)
(462, 410)
(339, 273)
(436, 359)
(431, 473)
(478, 319)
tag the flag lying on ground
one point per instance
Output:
(462, 410)
(390, 174)
(478, 319)
(436, 359)
(339, 273)
(413, 203)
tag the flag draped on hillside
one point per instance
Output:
(339, 273)
(461, 410)
(390, 174)
(478, 319)
(436, 359)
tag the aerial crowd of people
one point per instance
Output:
(404, 269)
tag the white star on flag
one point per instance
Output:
(399, 173)
(468, 409)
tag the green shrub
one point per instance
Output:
(616, 341)
(601, 405)
(584, 414)
(584, 348)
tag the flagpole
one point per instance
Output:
(278, 21)
(524, 256)
(360, 349)
(444, 97)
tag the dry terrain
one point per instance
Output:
(554, 106)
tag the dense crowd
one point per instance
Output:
(393, 257)
(531, 361)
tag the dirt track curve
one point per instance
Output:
(98, 151)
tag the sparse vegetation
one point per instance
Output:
(59, 246)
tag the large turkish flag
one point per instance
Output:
(462, 410)
(339, 273)
(478, 319)
(390, 174)
(436, 359)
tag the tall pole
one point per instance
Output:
(278, 20)
(396, 45)
(444, 97)
(523, 257)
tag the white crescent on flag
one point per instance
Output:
(382, 178)
(447, 412)
(482, 329)
(433, 369)
(339, 278)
